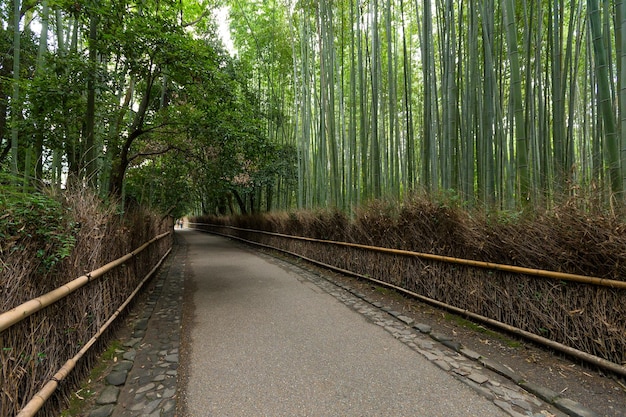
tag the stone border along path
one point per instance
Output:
(495, 381)
(144, 383)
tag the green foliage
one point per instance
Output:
(162, 184)
(342, 85)
(172, 116)
(35, 218)
(504, 217)
(450, 198)
(79, 401)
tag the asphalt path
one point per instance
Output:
(265, 341)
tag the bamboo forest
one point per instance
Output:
(247, 106)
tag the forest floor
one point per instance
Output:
(593, 388)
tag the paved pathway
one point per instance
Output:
(268, 342)
(266, 338)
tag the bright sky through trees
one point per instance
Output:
(222, 18)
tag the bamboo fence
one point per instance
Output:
(579, 315)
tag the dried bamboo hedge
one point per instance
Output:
(34, 349)
(585, 317)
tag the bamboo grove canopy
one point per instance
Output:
(316, 103)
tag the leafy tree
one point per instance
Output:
(163, 184)
(519, 102)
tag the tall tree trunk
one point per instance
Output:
(363, 116)
(393, 125)
(122, 158)
(471, 105)
(352, 133)
(39, 132)
(89, 155)
(327, 90)
(411, 171)
(448, 142)
(429, 153)
(558, 98)
(376, 163)
(305, 174)
(620, 36)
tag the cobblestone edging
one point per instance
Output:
(493, 380)
(144, 382)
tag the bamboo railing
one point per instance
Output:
(24, 310)
(530, 272)
(561, 276)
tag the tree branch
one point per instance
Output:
(153, 153)
(194, 22)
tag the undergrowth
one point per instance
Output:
(477, 328)
(35, 220)
(47, 239)
(81, 398)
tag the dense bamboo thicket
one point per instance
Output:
(566, 238)
(88, 236)
(508, 103)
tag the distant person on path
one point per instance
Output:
(180, 223)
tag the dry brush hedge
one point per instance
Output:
(34, 349)
(565, 239)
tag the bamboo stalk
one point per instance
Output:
(19, 313)
(48, 389)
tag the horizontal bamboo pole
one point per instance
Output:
(19, 313)
(595, 360)
(562, 276)
(589, 358)
(48, 389)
